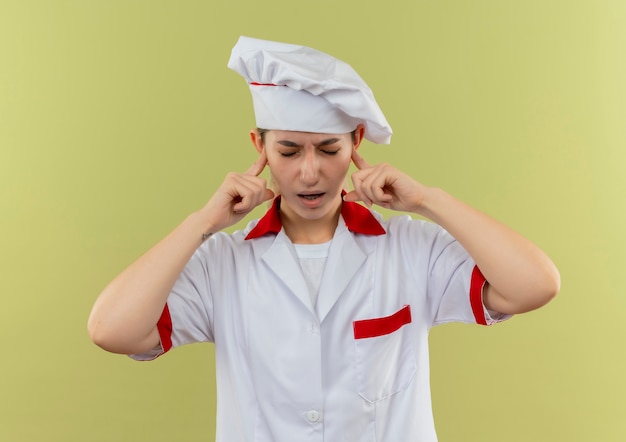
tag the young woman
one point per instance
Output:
(320, 310)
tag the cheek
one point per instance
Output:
(340, 166)
(277, 168)
(280, 175)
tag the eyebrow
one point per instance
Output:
(327, 142)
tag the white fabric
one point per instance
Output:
(312, 91)
(312, 259)
(288, 372)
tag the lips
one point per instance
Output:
(311, 196)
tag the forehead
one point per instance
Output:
(303, 137)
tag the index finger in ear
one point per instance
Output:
(359, 161)
(258, 165)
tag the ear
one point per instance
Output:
(257, 141)
(359, 134)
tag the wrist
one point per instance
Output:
(202, 226)
(430, 203)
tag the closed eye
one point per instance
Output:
(287, 154)
(329, 152)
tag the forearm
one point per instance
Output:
(521, 276)
(124, 317)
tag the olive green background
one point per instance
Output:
(119, 118)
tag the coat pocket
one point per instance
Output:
(384, 355)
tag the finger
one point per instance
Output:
(370, 186)
(245, 202)
(237, 185)
(358, 194)
(351, 197)
(376, 185)
(362, 181)
(249, 193)
(250, 202)
(359, 161)
(258, 165)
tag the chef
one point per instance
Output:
(320, 310)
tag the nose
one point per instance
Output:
(309, 168)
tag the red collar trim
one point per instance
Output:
(270, 223)
(358, 219)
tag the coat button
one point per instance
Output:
(313, 416)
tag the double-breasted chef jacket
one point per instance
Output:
(355, 366)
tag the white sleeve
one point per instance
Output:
(452, 282)
(187, 315)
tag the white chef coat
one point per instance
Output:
(355, 367)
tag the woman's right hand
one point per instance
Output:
(237, 196)
(124, 317)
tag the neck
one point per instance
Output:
(310, 231)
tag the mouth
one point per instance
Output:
(311, 196)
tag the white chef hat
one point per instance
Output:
(301, 89)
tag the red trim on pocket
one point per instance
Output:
(164, 326)
(370, 328)
(476, 296)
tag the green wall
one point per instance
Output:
(118, 118)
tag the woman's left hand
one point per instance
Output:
(385, 186)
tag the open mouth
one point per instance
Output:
(311, 196)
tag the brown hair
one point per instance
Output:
(262, 133)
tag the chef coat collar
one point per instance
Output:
(358, 219)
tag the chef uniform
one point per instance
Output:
(342, 356)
